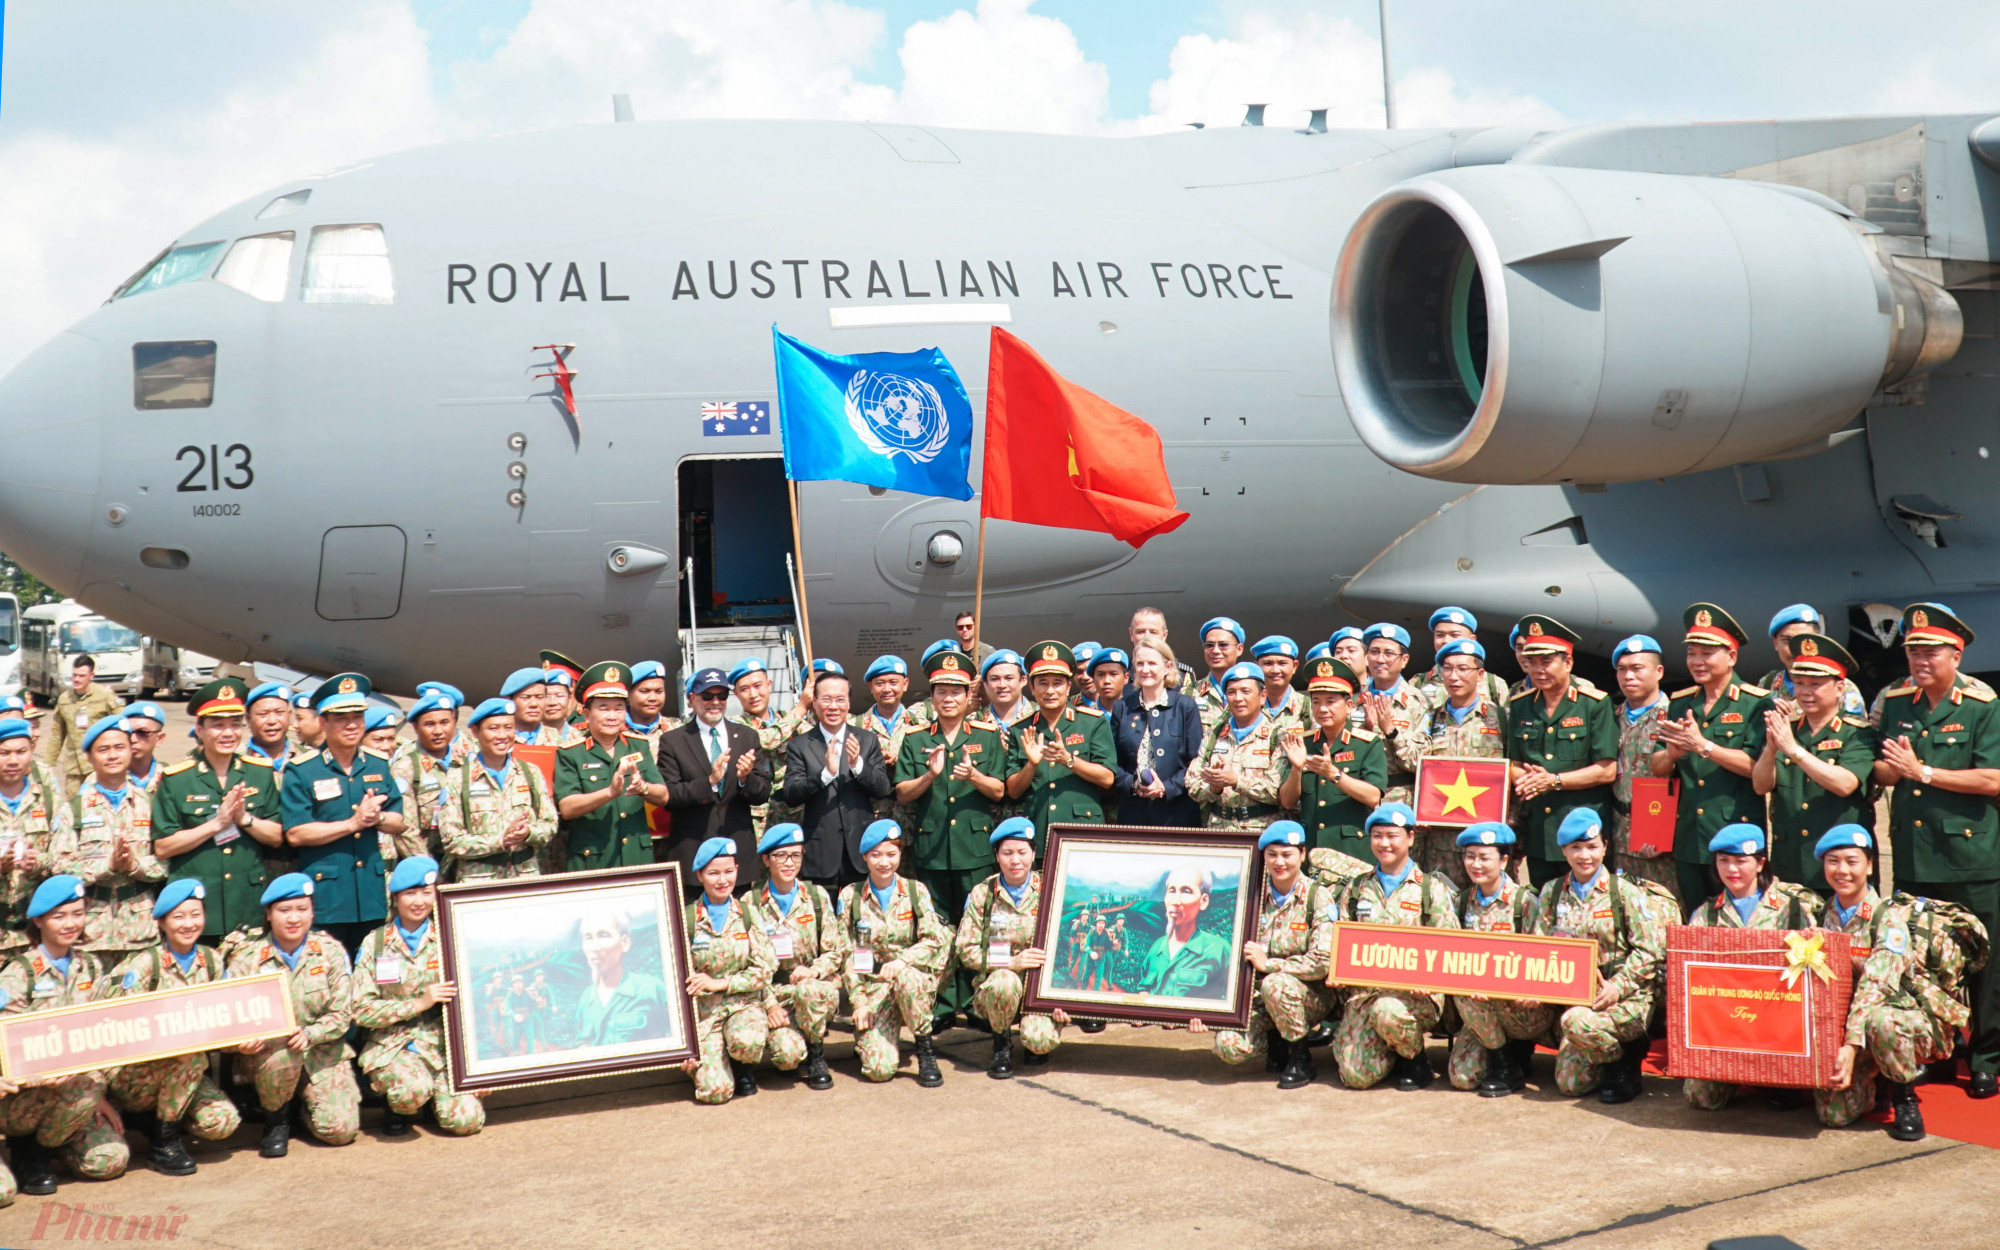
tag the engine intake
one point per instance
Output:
(1534, 324)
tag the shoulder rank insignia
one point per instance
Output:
(1755, 692)
(1682, 694)
(173, 770)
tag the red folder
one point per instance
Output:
(1655, 802)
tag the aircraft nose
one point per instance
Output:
(49, 409)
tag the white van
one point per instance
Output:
(171, 672)
(10, 644)
(54, 634)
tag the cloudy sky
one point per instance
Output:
(125, 121)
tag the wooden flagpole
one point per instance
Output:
(799, 561)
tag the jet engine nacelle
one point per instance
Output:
(1518, 324)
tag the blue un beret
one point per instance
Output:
(886, 664)
(146, 711)
(1462, 646)
(380, 716)
(14, 727)
(1454, 616)
(1486, 833)
(1317, 650)
(646, 670)
(97, 730)
(1084, 652)
(1001, 657)
(1737, 839)
(1580, 823)
(1797, 614)
(53, 893)
(13, 703)
(433, 701)
(1243, 670)
(1637, 644)
(1343, 634)
(490, 708)
(174, 893)
(1282, 833)
(1275, 644)
(1386, 629)
(1398, 814)
(290, 885)
(822, 666)
(1222, 622)
(1012, 827)
(270, 690)
(1110, 655)
(444, 688)
(942, 644)
(878, 833)
(712, 849)
(778, 837)
(412, 872)
(744, 668)
(1841, 836)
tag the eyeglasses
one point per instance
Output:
(1223, 645)
(713, 696)
(1462, 670)
(143, 734)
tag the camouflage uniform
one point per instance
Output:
(1335, 869)
(1207, 695)
(320, 988)
(29, 827)
(809, 936)
(908, 721)
(1481, 735)
(63, 1114)
(1292, 712)
(1291, 993)
(992, 917)
(475, 814)
(1490, 1023)
(176, 1089)
(732, 1023)
(118, 908)
(772, 735)
(1491, 687)
(420, 776)
(1252, 802)
(1378, 1025)
(1637, 740)
(1783, 906)
(403, 1052)
(907, 929)
(1408, 711)
(1629, 926)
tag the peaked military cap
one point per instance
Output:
(1545, 635)
(948, 668)
(1051, 656)
(1816, 655)
(606, 679)
(1712, 627)
(1325, 675)
(342, 692)
(557, 662)
(225, 696)
(1934, 625)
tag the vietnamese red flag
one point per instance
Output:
(1058, 455)
(1454, 792)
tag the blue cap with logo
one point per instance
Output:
(1002, 657)
(892, 665)
(1386, 629)
(1580, 823)
(1841, 837)
(53, 893)
(1400, 815)
(1462, 646)
(101, 726)
(176, 892)
(1243, 670)
(744, 668)
(1223, 623)
(1797, 614)
(940, 646)
(878, 833)
(708, 679)
(490, 708)
(146, 711)
(647, 670)
(1282, 833)
(290, 885)
(380, 716)
(778, 837)
(713, 848)
(1637, 644)
(270, 690)
(1013, 827)
(1275, 644)
(1486, 833)
(412, 872)
(1454, 616)
(1741, 838)
(1109, 655)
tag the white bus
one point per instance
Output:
(54, 634)
(10, 644)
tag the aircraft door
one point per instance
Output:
(361, 572)
(735, 523)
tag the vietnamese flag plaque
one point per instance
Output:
(1453, 792)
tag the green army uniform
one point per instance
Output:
(61, 747)
(732, 1023)
(1377, 1026)
(635, 1010)
(1488, 1024)
(1261, 767)
(1331, 818)
(1947, 845)
(118, 906)
(618, 834)
(1628, 921)
(403, 1053)
(1710, 795)
(27, 824)
(1782, 906)
(1199, 968)
(62, 1115)
(1962, 681)
(907, 928)
(1481, 735)
(320, 984)
(229, 865)
(1802, 809)
(179, 1089)
(1578, 732)
(809, 937)
(350, 876)
(1851, 703)
(1291, 994)
(1056, 795)
(994, 930)
(476, 813)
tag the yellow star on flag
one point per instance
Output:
(1460, 793)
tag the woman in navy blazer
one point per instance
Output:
(1159, 732)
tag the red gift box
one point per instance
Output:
(1751, 1006)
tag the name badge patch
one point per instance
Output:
(326, 788)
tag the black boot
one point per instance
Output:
(928, 1075)
(1621, 1075)
(1781, 1100)
(817, 1076)
(746, 1080)
(1415, 1073)
(1524, 1059)
(1276, 1051)
(1091, 1026)
(1503, 1074)
(167, 1153)
(1299, 1071)
(33, 1172)
(1908, 1124)
(1029, 1059)
(1002, 1066)
(394, 1123)
(1982, 1085)
(1320, 1034)
(277, 1132)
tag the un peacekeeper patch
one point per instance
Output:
(1896, 941)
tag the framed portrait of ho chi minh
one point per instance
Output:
(565, 977)
(1147, 924)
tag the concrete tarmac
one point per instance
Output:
(1137, 1137)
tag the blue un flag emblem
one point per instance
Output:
(736, 416)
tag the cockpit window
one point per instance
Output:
(285, 204)
(348, 265)
(178, 265)
(258, 266)
(173, 375)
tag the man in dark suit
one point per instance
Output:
(834, 770)
(715, 774)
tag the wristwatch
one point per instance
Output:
(1706, 748)
(1925, 775)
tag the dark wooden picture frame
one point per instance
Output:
(556, 900)
(1045, 991)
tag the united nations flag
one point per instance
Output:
(898, 420)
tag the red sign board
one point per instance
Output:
(1462, 961)
(1454, 792)
(144, 1027)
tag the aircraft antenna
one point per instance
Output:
(1388, 83)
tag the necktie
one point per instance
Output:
(714, 743)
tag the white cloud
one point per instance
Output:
(1001, 68)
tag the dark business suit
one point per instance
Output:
(699, 811)
(835, 815)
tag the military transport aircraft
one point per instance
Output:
(428, 415)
